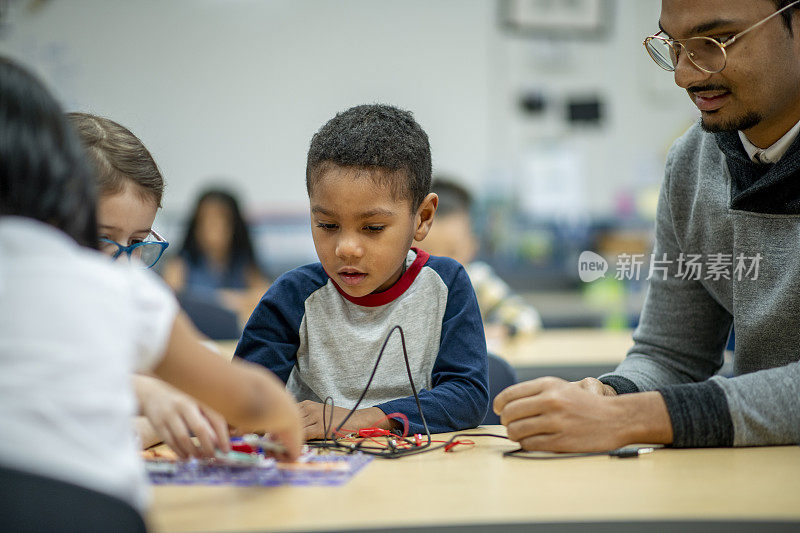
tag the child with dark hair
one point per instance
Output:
(217, 260)
(74, 326)
(320, 327)
(505, 314)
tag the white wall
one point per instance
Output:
(237, 87)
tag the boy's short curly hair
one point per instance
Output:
(375, 137)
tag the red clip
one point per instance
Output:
(374, 432)
(418, 439)
(242, 447)
(448, 447)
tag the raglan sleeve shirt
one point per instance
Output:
(459, 397)
(271, 336)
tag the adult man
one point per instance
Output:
(731, 192)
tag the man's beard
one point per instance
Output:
(745, 122)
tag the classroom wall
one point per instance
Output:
(236, 88)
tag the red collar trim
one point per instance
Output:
(393, 292)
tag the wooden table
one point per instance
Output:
(572, 346)
(477, 486)
(569, 353)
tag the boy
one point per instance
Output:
(504, 313)
(320, 327)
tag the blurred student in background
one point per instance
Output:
(73, 325)
(505, 315)
(130, 187)
(217, 260)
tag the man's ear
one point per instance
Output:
(424, 217)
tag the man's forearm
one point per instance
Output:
(648, 418)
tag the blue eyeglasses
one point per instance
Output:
(148, 252)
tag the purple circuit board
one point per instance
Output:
(312, 470)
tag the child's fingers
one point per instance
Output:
(220, 428)
(309, 431)
(204, 433)
(238, 432)
(182, 433)
(191, 421)
(292, 441)
(174, 438)
(306, 409)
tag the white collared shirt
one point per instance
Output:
(73, 328)
(772, 153)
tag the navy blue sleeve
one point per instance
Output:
(459, 396)
(271, 337)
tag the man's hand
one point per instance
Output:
(596, 386)
(311, 415)
(550, 414)
(175, 417)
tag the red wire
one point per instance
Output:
(401, 416)
(370, 434)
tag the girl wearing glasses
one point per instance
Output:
(74, 326)
(130, 188)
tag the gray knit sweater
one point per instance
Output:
(703, 211)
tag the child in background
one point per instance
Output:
(130, 187)
(217, 260)
(73, 326)
(320, 327)
(504, 313)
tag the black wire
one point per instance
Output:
(459, 435)
(327, 424)
(358, 446)
(619, 452)
(333, 443)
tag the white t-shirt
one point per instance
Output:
(73, 328)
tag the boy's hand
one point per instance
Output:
(311, 414)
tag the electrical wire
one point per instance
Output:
(333, 439)
(391, 450)
(330, 440)
(327, 423)
(622, 453)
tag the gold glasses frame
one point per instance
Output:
(676, 45)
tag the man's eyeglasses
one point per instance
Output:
(148, 251)
(706, 53)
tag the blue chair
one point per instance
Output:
(501, 375)
(213, 320)
(33, 503)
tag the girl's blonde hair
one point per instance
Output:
(118, 157)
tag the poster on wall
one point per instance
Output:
(583, 19)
